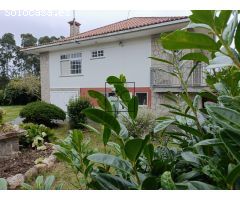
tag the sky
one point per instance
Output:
(54, 22)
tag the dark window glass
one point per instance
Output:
(142, 98)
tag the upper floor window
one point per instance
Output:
(71, 64)
(98, 54)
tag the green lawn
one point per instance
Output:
(11, 112)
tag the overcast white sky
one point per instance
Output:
(15, 22)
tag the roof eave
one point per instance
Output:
(28, 50)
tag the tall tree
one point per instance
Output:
(8, 38)
(30, 62)
(8, 58)
(28, 40)
(47, 39)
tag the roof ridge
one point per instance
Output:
(123, 21)
(122, 25)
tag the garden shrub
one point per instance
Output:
(35, 135)
(145, 122)
(1, 116)
(74, 110)
(2, 97)
(42, 113)
(21, 91)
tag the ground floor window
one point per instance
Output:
(142, 98)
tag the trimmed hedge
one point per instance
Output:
(74, 110)
(42, 113)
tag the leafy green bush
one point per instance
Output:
(74, 150)
(42, 113)
(224, 80)
(35, 136)
(2, 97)
(1, 116)
(74, 110)
(21, 91)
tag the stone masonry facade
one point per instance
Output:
(45, 80)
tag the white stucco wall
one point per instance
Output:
(130, 59)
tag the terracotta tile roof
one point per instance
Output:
(132, 23)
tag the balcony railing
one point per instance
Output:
(158, 78)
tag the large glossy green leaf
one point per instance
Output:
(112, 161)
(187, 40)
(228, 33)
(209, 142)
(110, 182)
(190, 157)
(106, 135)
(203, 17)
(133, 107)
(123, 93)
(230, 102)
(198, 185)
(188, 176)
(103, 117)
(148, 152)
(167, 182)
(133, 148)
(226, 117)
(237, 38)
(233, 175)
(222, 19)
(39, 182)
(101, 100)
(49, 182)
(3, 184)
(209, 95)
(231, 140)
(163, 124)
(196, 57)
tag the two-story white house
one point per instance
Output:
(71, 66)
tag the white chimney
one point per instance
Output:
(74, 28)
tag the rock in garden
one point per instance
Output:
(31, 173)
(41, 167)
(49, 162)
(15, 181)
(52, 158)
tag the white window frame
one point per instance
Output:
(142, 93)
(98, 54)
(74, 56)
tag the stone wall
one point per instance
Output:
(45, 80)
(8, 147)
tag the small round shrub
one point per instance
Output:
(74, 110)
(42, 113)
